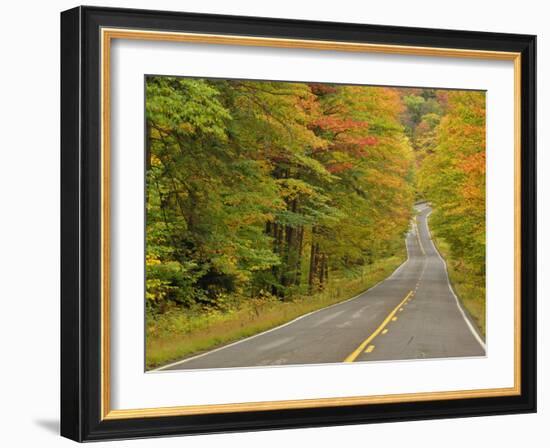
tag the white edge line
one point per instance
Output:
(163, 368)
(470, 326)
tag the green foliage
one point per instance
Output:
(423, 108)
(267, 187)
(452, 177)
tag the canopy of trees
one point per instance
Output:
(270, 188)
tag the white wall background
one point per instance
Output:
(29, 220)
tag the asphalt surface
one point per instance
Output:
(412, 314)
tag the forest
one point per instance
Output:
(265, 200)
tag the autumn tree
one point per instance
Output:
(452, 177)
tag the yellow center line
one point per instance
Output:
(418, 236)
(384, 331)
(353, 356)
(369, 349)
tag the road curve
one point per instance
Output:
(412, 314)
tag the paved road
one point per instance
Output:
(412, 314)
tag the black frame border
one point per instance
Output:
(81, 223)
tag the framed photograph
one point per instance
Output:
(273, 223)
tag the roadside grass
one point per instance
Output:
(469, 287)
(176, 334)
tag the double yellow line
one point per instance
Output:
(353, 356)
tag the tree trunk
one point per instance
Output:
(298, 265)
(312, 257)
(288, 256)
